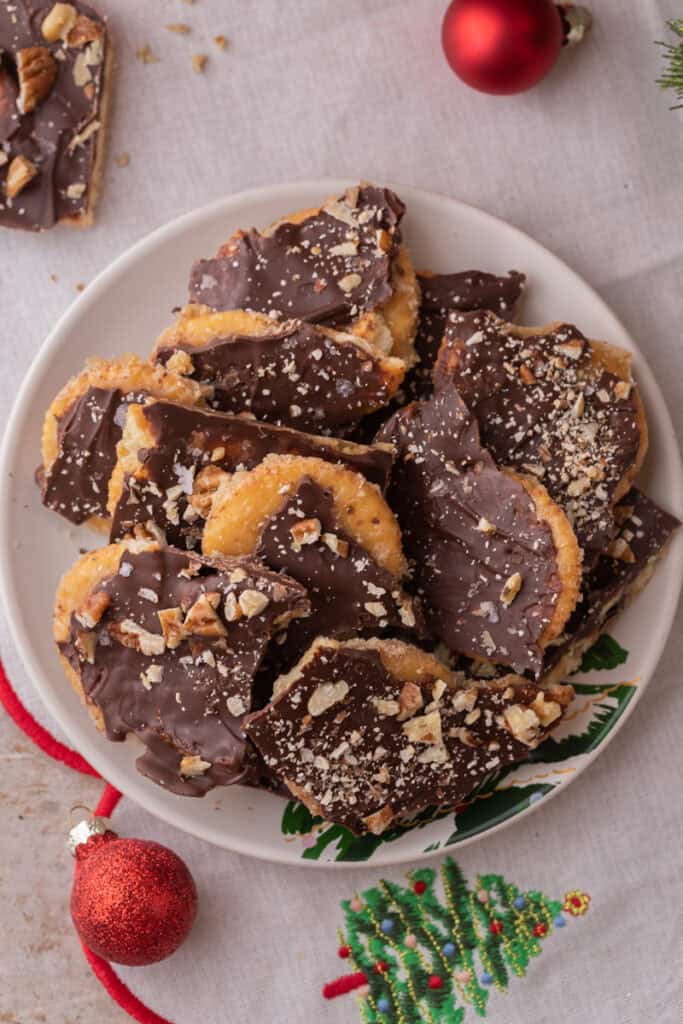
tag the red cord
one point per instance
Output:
(119, 992)
(103, 971)
(35, 731)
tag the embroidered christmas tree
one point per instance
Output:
(422, 954)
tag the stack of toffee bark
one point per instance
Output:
(361, 525)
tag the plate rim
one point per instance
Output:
(57, 336)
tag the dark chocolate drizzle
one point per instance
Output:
(44, 134)
(188, 440)
(349, 592)
(581, 452)
(77, 482)
(296, 270)
(354, 760)
(197, 706)
(296, 377)
(467, 529)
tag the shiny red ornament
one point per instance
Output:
(496, 926)
(505, 46)
(540, 930)
(419, 887)
(133, 901)
(435, 982)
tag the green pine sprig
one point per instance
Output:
(673, 54)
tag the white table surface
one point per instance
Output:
(590, 163)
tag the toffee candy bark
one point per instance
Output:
(464, 291)
(172, 460)
(327, 528)
(55, 70)
(496, 564)
(621, 572)
(165, 645)
(84, 424)
(366, 733)
(340, 264)
(291, 373)
(553, 404)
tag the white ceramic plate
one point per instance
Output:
(123, 310)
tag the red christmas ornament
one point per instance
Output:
(381, 967)
(496, 926)
(435, 981)
(540, 930)
(506, 46)
(419, 888)
(344, 952)
(133, 901)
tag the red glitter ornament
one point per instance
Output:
(435, 981)
(133, 901)
(496, 926)
(344, 952)
(419, 888)
(506, 46)
(540, 930)
(381, 967)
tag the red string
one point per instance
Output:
(347, 983)
(35, 731)
(103, 971)
(119, 992)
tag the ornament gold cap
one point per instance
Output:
(86, 829)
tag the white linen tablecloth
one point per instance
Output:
(591, 164)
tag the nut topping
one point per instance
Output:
(202, 618)
(326, 696)
(410, 700)
(37, 70)
(523, 723)
(192, 765)
(253, 602)
(512, 587)
(306, 531)
(93, 608)
(425, 729)
(59, 22)
(171, 620)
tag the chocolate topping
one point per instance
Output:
(189, 442)
(544, 409)
(362, 747)
(485, 565)
(349, 592)
(60, 135)
(76, 484)
(329, 268)
(297, 376)
(182, 687)
(441, 293)
(644, 530)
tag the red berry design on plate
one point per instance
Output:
(496, 926)
(435, 981)
(540, 930)
(343, 952)
(419, 887)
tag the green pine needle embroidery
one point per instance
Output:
(673, 54)
(437, 947)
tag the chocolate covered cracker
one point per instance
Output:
(173, 458)
(555, 405)
(333, 265)
(292, 373)
(165, 645)
(620, 573)
(366, 733)
(84, 424)
(495, 562)
(55, 65)
(327, 528)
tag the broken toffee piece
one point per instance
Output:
(290, 373)
(366, 733)
(84, 424)
(495, 562)
(620, 573)
(555, 405)
(327, 528)
(172, 460)
(165, 645)
(463, 291)
(332, 265)
(55, 68)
